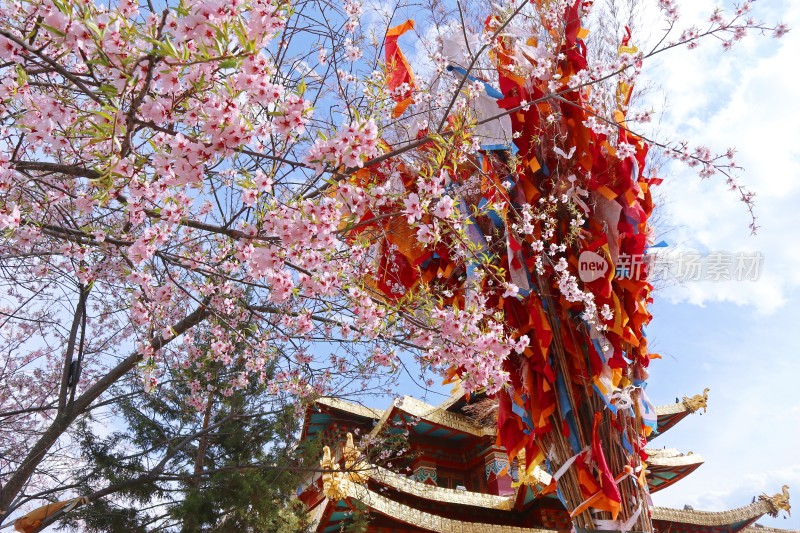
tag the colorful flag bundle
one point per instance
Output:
(561, 220)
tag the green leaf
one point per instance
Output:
(100, 60)
(52, 30)
(108, 90)
(103, 114)
(61, 6)
(94, 28)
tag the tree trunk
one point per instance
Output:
(10, 491)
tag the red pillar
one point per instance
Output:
(498, 478)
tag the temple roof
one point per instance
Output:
(668, 465)
(446, 416)
(407, 503)
(445, 424)
(739, 520)
(409, 515)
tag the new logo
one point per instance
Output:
(591, 266)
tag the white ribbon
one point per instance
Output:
(617, 525)
(561, 471)
(623, 398)
(575, 192)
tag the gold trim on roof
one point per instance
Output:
(436, 415)
(670, 409)
(427, 521)
(709, 518)
(677, 460)
(439, 494)
(354, 408)
(440, 415)
(455, 396)
(662, 453)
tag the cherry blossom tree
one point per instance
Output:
(155, 199)
(201, 173)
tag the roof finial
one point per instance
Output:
(354, 463)
(778, 502)
(697, 402)
(334, 484)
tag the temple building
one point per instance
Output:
(450, 476)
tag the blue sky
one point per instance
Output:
(749, 435)
(738, 338)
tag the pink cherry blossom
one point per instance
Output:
(413, 208)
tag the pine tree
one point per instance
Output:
(232, 467)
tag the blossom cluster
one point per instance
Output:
(351, 146)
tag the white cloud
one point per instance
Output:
(742, 98)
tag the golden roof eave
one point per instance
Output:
(662, 452)
(671, 409)
(678, 460)
(489, 501)
(713, 518)
(349, 407)
(435, 415)
(439, 414)
(428, 521)
(438, 494)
